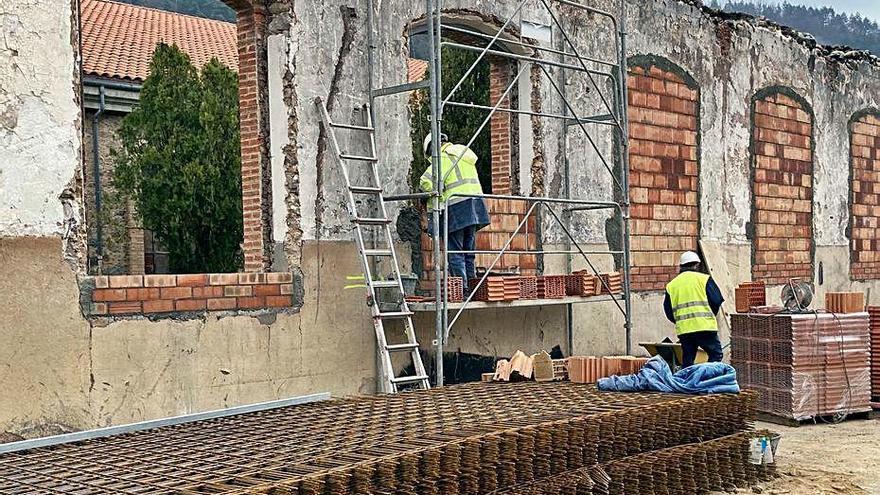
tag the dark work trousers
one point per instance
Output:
(462, 265)
(708, 341)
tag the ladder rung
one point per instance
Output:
(385, 284)
(396, 314)
(401, 347)
(365, 189)
(352, 127)
(377, 252)
(408, 379)
(371, 221)
(359, 158)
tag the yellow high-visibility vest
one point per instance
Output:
(463, 177)
(690, 304)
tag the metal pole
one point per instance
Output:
(566, 190)
(96, 170)
(623, 149)
(433, 16)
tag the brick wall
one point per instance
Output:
(153, 294)
(251, 21)
(500, 127)
(782, 215)
(865, 218)
(664, 172)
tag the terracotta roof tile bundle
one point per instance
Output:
(118, 39)
(467, 439)
(582, 284)
(588, 369)
(612, 283)
(803, 365)
(845, 302)
(551, 287)
(749, 295)
(874, 312)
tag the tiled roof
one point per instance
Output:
(119, 39)
(416, 69)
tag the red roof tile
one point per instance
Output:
(119, 39)
(416, 69)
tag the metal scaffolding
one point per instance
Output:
(606, 77)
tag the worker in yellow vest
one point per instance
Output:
(692, 301)
(468, 213)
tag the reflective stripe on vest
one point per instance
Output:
(690, 304)
(459, 171)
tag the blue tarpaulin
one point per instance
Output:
(705, 378)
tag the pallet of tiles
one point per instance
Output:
(551, 287)
(511, 288)
(845, 302)
(804, 365)
(461, 439)
(874, 315)
(582, 284)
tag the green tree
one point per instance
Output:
(180, 162)
(459, 123)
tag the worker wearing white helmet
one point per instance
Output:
(692, 301)
(461, 193)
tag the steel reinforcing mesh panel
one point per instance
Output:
(464, 439)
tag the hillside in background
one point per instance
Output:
(212, 9)
(828, 26)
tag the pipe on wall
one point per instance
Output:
(96, 170)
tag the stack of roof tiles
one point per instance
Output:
(612, 283)
(874, 312)
(551, 287)
(589, 369)
(845, 302)
(480, 438)
(803, 365)
(749, 295)
(582, 284)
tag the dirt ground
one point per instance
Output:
(826, 459)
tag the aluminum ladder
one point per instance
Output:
(389, 382)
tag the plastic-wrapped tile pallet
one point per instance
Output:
(874, 312)
(804, 365)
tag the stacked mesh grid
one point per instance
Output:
(804, 365)
(469, 439)
(874, 312)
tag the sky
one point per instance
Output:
(868, 8)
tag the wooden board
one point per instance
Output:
(715, 262)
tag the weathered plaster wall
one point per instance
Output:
(39, 116)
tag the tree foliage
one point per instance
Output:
(827, 25)
(180, 162)
(459, 123)
(212, 9)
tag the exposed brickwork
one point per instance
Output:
(782, 191)
(251, 21)
(151, 294)
(500, 127)
(865, 219)
(664, 173)
(505, 216)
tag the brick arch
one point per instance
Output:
(782, 147)
(664, 137)
(254, 124)
(864, 198)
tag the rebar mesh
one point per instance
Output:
(466, 439)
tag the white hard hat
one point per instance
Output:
(688, 257)
(427, 143)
